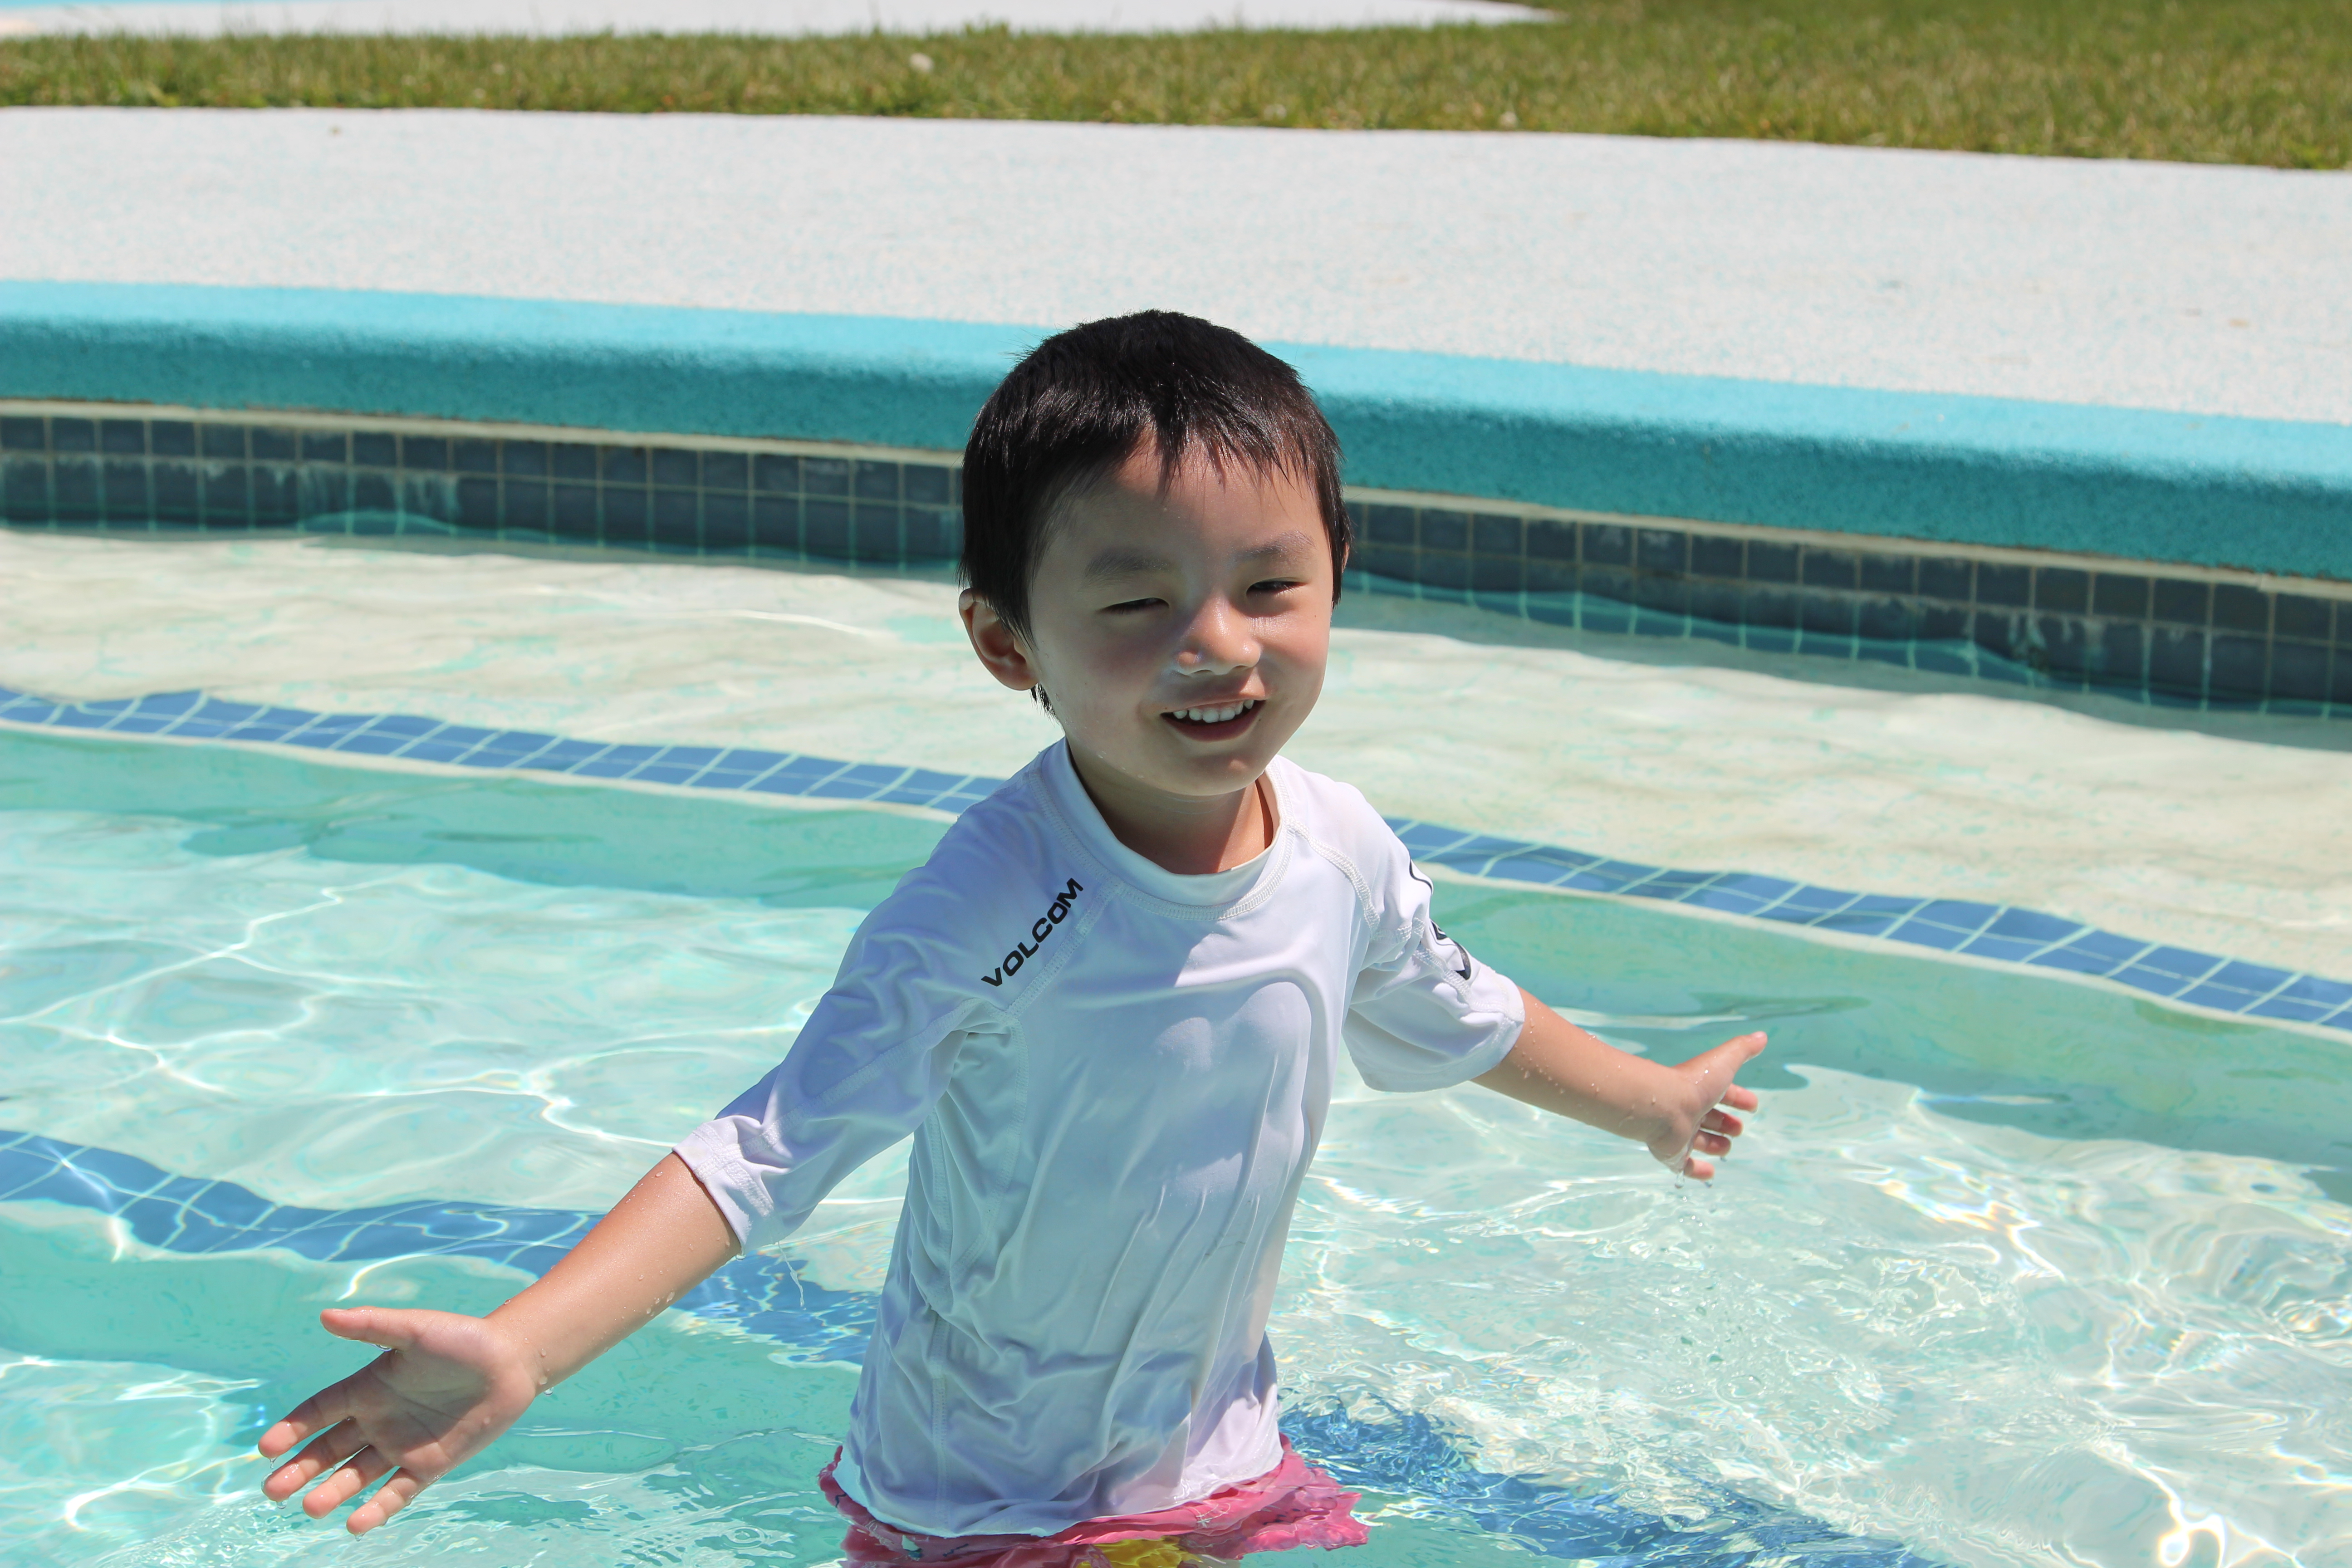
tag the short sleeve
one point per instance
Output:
(1424, 1013)
(869, 1064)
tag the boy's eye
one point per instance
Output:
(1131, 604)
(1274, 585)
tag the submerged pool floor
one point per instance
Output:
(2010, 1271)
(2232, 841)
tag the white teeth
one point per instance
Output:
(1215, 715)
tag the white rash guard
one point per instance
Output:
(1115, 1077)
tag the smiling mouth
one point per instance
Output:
(1217, 721)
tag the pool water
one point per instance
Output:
(2009, 1270)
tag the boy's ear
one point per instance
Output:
(997, 644)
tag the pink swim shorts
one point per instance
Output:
(1292, 1505)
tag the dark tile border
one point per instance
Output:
(768, 1295)
(2165, 636)
(1997, 933)
(252, 475)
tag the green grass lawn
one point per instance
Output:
(2236, 81)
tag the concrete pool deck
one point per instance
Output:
(2196, 290)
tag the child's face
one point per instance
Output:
(1149, 607)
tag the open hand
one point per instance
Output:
(1700, 1126)
(445, 1385)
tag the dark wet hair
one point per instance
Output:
(1084, 400)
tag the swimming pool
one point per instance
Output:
(2017, 1266)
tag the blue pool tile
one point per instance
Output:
(783, 781)
(215, 711)
(1668, 876)
(409, 724)
(1622, 871)
(603, 768)
(230, 1204)
(1855, 922)
(1885, 904)
(61, 1184)
(1815, 901)
(876, 774)
(2074, 960)
(1540, 869)
(151, 1220)
(510, 746)
(694, 756)
(1959, 914)
(1927, 933)
(369, 744)
(2259, 978)
(560, 756)
(109, 705)
(197, 1232)
(2033, 926)
(2291, 1008)
(2009, 949)
(29, 710)
(170, 702)
(2221, 998)
(123, 1172)
(2108, 945)
(1729, 900)
(2331, 994)
(434, 750)
(2155, 980)
(958, 803)
(659, 772)
(937, 783)
(80, 718)
(2186, 964)
(140, 724)
(1424, 836)
(751, 765)
(464, 735)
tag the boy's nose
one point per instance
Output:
(1215, 642)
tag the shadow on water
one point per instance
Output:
(2044, 1056)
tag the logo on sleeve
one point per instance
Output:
(1459, 951)
(1041, 928)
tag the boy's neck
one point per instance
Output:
(1191, 836)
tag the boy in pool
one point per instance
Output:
(1108, 1009)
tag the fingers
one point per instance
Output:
(1697, 1169)
(366, 1467)
(390, 1498)
(1723, 1122)
(316, 1414)
(331, 1448)
(391, 1328)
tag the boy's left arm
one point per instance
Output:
(1677, 1112)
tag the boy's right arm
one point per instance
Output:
(447, 1383)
